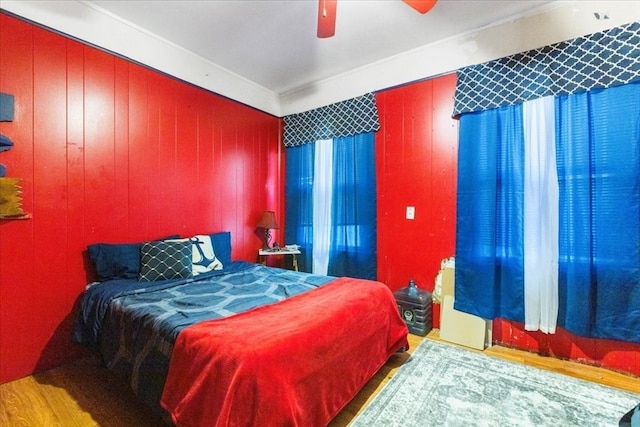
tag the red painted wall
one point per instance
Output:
(110, 151)
(417, 154)
(417, 157)
(616, 355)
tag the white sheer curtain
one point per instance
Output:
(541, 216)
(322, 195)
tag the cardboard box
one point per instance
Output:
(448, 280)
(458, 327)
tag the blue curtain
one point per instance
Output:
(299, 202)
(353, 233)
(598, 162)
(599, 175)
(489, 233)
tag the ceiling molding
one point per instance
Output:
(84, 21)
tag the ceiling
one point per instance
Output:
(273, 43)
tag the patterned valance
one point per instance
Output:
(600, 60)
(350, 117)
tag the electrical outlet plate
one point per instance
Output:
(411, 212)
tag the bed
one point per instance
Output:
(211, 341)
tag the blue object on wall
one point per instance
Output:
(5, 143)
(6, 107)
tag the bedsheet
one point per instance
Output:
(133, 325)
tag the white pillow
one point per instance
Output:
(203, 257)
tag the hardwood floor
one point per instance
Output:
(83, 394)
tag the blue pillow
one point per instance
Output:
(117, 260)
(222, 246)
(165, 260)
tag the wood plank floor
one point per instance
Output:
(84, 394)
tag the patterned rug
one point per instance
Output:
(443, 385)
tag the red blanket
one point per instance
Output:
(294, 363)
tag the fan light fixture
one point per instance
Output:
(327, 14)
(422, 6)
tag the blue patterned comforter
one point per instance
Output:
(133, 325)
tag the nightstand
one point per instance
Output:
(264, 253)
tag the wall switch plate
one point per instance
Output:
(411, 212)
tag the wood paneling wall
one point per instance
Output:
(416, 154)
(110, 151)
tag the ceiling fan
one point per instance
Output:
(327, 14)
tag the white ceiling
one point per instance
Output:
(273, 43)
(265, 53)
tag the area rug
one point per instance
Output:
(443, 385)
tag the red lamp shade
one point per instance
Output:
(268, 220)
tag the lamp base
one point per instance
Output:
(267, 240)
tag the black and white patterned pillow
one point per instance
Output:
(165, 260)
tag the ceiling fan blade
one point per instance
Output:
(326, 18)
(422, 6)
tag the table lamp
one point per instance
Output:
(267, 221)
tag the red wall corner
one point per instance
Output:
(110, 151)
